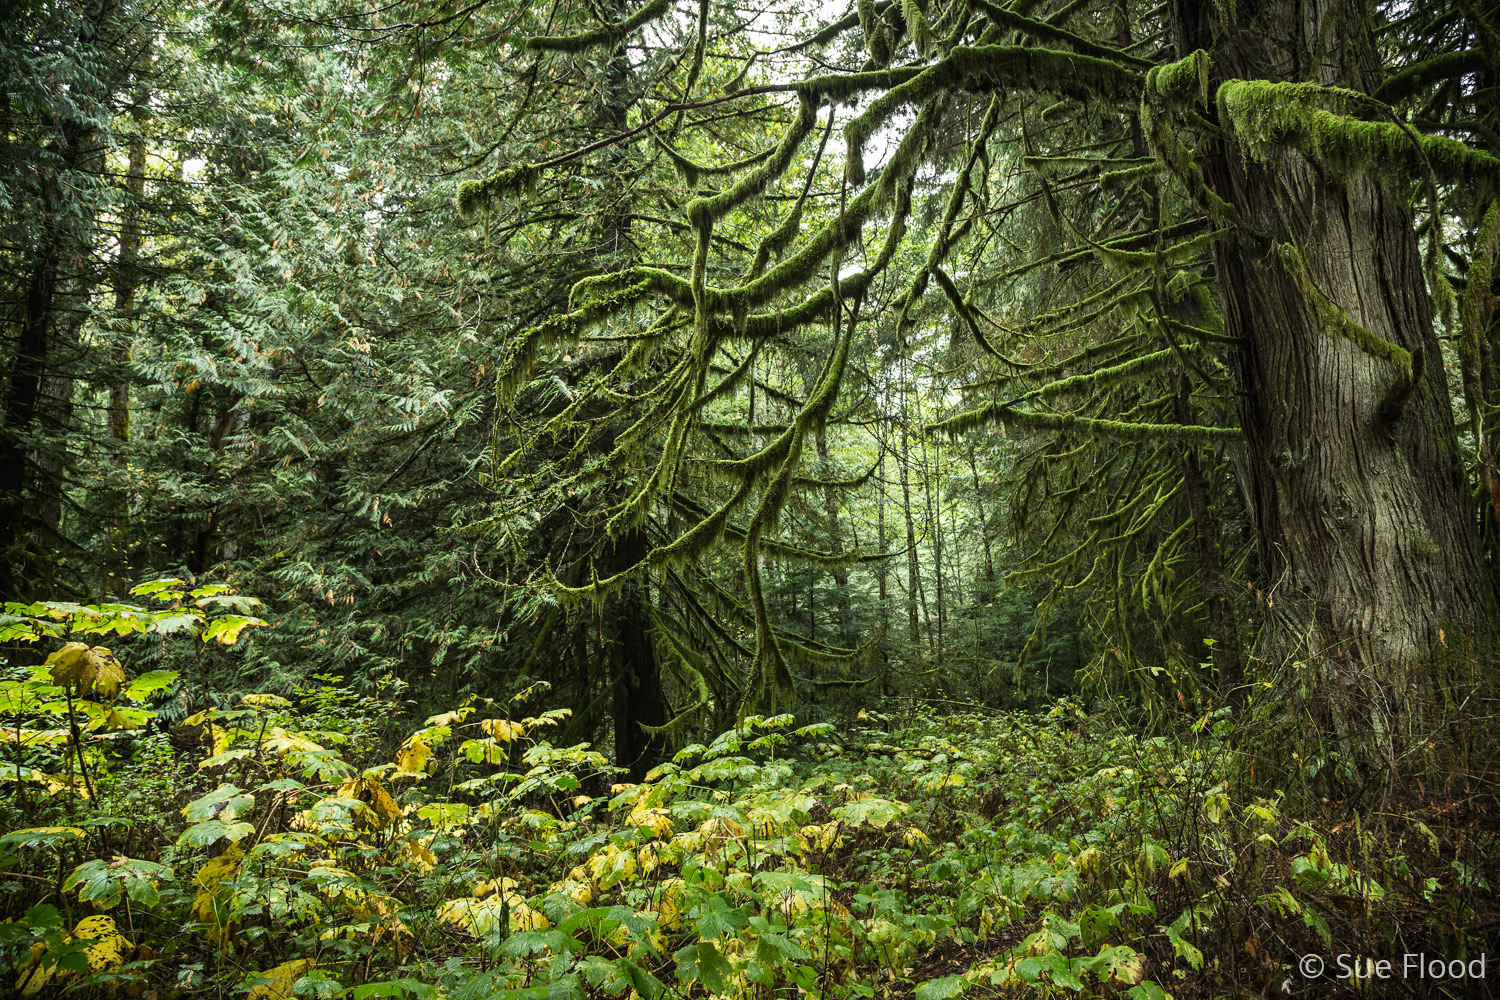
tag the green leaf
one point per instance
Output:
(703, 963)
(225, 802)
(719, 919)
(36, 837)
(941, 989)
(209, 831)
(1184, 947)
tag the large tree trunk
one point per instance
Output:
(1367, 548)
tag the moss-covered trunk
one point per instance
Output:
(1368, 561)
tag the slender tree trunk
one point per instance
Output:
(836, 541)
(882, 571)
(911, 536)
(117, 407)
(988, 591)
(1366, 543)
(932, 511)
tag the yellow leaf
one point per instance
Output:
(59, 783)
(481, 916)
(265, 701)
(413, 754)
(107, 953)
(655, 820)
(282, 979)
(87, 670)
(280, 741)
(502, 730)
(449, 718)
(669, 904)
(373, 794)
(421, 856)
(34, 737)
(524, 918)
(209, 879)
(491, 885)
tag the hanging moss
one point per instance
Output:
(1472, 312)
(1084, 164)
(836, 87)
(917, 28)
(475, 196)
(704, 210)
(685, 665)
(1173, 89)
(606, 35)
(989, 67)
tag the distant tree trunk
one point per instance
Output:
(117, 408)
(932, 509)
(881, 571)
(988, 592)
(1366, 539)
(836, 541)
(911, 536)
(636, 675)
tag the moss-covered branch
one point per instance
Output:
(1120, 429)
(1265, 117)
(605, 35)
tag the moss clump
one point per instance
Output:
(475, 196)
(1320, 123)
(1171, 89)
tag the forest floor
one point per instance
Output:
(308, 844)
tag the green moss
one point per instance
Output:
(1180, 84)
(475, 196)
(1118, 429)
(702, 211)
(991, 67)
(1333, 319)
(1173, 89)
(692, 172)
(1472, 315)
(1319, 122)
(1414, 79)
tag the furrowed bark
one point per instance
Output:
(1366, 545)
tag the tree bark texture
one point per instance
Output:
(1368, 558)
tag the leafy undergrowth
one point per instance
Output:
(280, 847)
